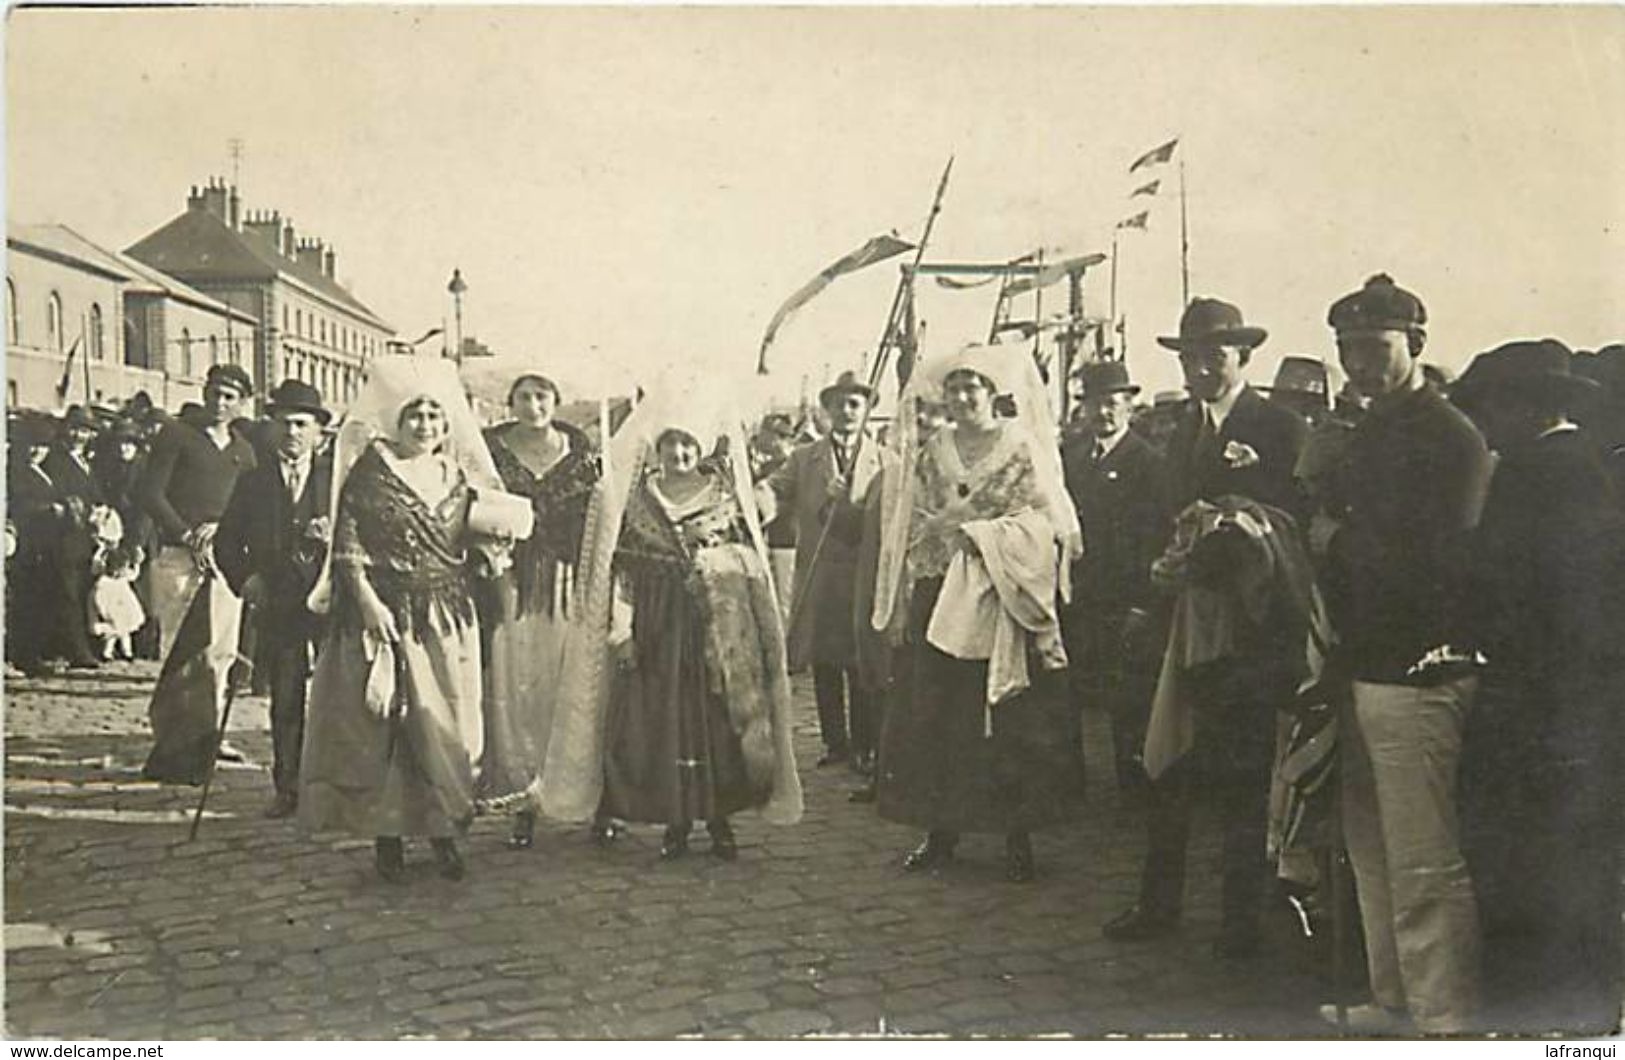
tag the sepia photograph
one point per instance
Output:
(910, 523)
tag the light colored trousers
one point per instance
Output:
(1399, 823)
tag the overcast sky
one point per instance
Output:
(624, 188)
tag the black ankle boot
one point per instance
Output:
(451, 862)
(1018, 858)
(723, 844)
(390, 856)
(523, 836)
(937, 849)
(674, 844)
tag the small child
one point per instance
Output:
(115, 610)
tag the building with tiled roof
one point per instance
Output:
(310, 326)
(87, 324)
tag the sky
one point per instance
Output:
(627, 190)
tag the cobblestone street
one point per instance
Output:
(118, 927)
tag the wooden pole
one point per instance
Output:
(1184, 239)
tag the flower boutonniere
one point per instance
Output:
(1238, 455)
(319, 530)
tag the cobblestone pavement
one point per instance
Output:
(118, 927)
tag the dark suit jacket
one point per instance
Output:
(1274, 432)
(1121, 505)
(262, 533)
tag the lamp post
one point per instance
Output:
(457, 287)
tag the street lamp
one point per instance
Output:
(457, 287)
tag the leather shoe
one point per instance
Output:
(284, 804)
(227, 753)
(723, 844)
(523, 836)
(390, 857)
(833, 756)
(605, 831)
(936, 850)
(1018, 858)
(1139, 923)
(1369, 1019)
(864, 794)
(451, 862)
(674, 844)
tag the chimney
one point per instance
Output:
(327, 265)
(266, 227)
(236, 205)
(194, 199)
(215, 198)
(288, 240)
(310, 253)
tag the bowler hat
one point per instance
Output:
(296, 395)
(1380, 305)
(231, 375)
(1538, 367)
(845, 383)
(1105, 377)
(1212, 322)
(79, 417)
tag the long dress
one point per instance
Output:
(524, 618)
(948, 761)
(394, 733)
(694, 726)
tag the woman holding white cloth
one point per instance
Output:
(977, 540)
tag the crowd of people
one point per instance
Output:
(1384, 621)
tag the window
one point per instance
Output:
(284, 317)
(53, 323)
(94, 337)
(186, 353)
(11, 311)
(214, 350)
(299, 322)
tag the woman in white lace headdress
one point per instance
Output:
(682, 711)
(394, 718)
(974, 545)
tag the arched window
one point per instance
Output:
(284, 317)
(299, 322)
(94, 338)
(11, 312)
(214, 350)
(186, 353)
(53, 323)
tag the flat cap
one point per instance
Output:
(1381, 305)
(231, 375)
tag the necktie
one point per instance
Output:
(1100, 450)
(294, 475)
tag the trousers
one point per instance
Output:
(845, 720)
(1400, 759)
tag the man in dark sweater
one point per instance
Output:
(190, 474)
(1414, 480)
(1542, 755)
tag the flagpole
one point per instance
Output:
(1184, 239)
(1113, 324)
(905, 285)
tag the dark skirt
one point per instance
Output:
(672, 754)
(940, 769)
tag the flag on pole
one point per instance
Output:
(955, 284)
(1137, 221)
(873, 252)
(1146, 189)
(1156, 156)
(66, 382)
(1051, 274)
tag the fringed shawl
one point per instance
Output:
(547, 560)
(412, 554)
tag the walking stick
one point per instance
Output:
(1339, 925)
(241, 671)
(900, 301)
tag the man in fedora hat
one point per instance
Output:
(270, 547)
(1229, 441)
(1541, 756)
(193, 466)
(1412, 483)
(823, 486)
(1115, 480)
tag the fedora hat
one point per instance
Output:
(1209, 321)
(845, 383)
(295, 395)
(79, 417)
(1540, 367)
(1105, 377)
